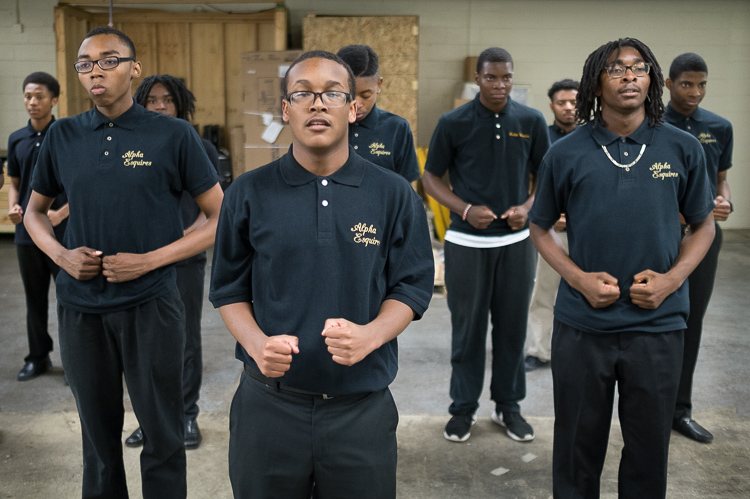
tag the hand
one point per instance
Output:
(349, 343)
(722, 209)
(650, 289)
(15, 214)
(275, 359)
(516, 217)
(55, 217)
(82, 263)
(480, 217)
(561, 224)
(124, 267)
(600, 289)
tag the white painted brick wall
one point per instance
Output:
(33, 49)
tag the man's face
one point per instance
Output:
(687, 91)
(368, 88)
(111, 87)
(627, 93)
(38, 101)
(317, 126)
(495, 83)
(161, 101)
(563, 106)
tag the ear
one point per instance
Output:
(285, 111)
(352, 111)
(380, 82)
(669, 83)
(54, 101)
(552, 107)
(476, 78)
(136, 70)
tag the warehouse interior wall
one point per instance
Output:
(549, 41)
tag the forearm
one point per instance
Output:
(550, 247)
(392, 319)
(434, 186)
(13, 192)
(64, 211)
(240, 320)
(42, 233)
(692, 250)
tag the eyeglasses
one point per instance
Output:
(618, 71)
(331, 98)
(105, 63)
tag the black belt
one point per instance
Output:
(281, 387)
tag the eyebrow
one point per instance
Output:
(106, 53)
(329, 83)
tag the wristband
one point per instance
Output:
(731, 206)
(466, 212)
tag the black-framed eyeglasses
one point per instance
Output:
(330, 98)
(105, 63)
(618, 70)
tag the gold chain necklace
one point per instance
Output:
(627, 167)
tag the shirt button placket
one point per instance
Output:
(325, 214)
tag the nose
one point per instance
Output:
(318, 98)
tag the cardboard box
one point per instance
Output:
(470, 68)
(266, 136)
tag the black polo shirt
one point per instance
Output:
(489, 156)
(715, 135)
(124, 179)
(303, 248)
(23, 149)
(556, 133)
(386, 139)
(189, 209)
(623, 222)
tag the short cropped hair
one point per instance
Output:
(320, 54)
(687, 62)
(106, 30)
(361, 58)
(561, 85)
(184, 100)
(493, 54)
(41, 78)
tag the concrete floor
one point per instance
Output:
(40, 453)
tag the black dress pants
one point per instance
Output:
(586, 367)
(701, 285)
(190, 283)
(37, 270)
(484, 282)
(145, 343)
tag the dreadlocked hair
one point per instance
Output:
(184, 100)
(588, 106)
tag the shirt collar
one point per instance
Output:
(559, 130)
(127, 120)
(484, 112)
(33, 132)
(644, 134)
(677, 116)
(350, 173)
(372, 119)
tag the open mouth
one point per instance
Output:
(318, 124)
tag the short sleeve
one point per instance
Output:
(547, 207)
(440, 154)
(46, 179)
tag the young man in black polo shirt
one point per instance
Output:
(168, 95)
(378, 136)
(322, 259)
(562, 96)
(490, 147)
(119, 312)
(40, 94)
(621, 308)
(687, 80)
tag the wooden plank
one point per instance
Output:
(207, 51)
(165, 2)
(239, 38)
(145, 41)
(173, 56)
(71, 25)
(160, 16)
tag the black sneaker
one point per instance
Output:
(516, 427)
(457, 429)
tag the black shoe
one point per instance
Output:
(692, 430)
(457, 429)
(515, 426)
(193, 436)
(135, 439)
(34, 368)
(533, 363)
